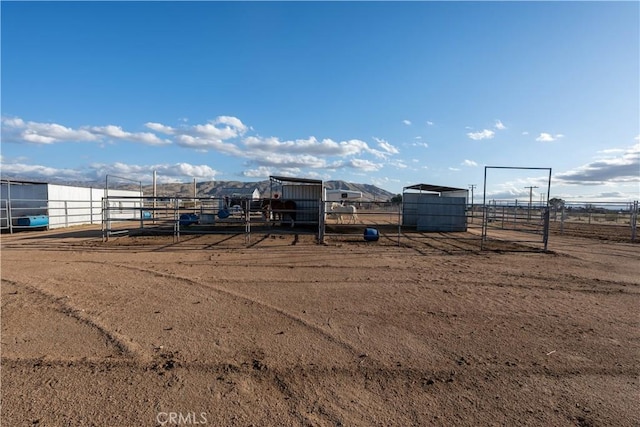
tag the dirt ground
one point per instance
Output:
(285, 332)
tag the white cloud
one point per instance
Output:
(326, 147)
(177, 172)
(203, 143)
(117, 133)
(469, 163)
(398, 164)
(484, 134)
(17, 130)
(13, 122)
(547, 137)
(386, 146)
(618, 169)
(407, 122)
(525, 133)
(224, 134)
(364, 165)
(260, 172)
(429, 123)
(420, 144)
(40, 172)
(499, 125)
(158, 127)
(232, 122)
(291, 161)
(454, 169)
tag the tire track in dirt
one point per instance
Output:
(351, 348)
(124, 344)
(133, 348)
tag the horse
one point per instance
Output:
(278, 210)
(340, 211)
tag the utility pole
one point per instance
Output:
(530, 200)
(472, 186)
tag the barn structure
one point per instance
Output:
(35, 204)
(434, 208)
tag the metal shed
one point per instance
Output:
(434, 208)
(306, 193)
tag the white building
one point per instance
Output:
(340, 195)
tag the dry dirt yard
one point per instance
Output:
(146, 332)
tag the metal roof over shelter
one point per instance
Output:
(433, 188)
(297, 180)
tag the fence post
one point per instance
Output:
(66, 215)
(91, 205)
(399, 222)
(9, 216)
(546, 228)
(321, 221)
(634, 221)
(562, 220)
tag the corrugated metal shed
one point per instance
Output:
(434, 208)
(306, 193)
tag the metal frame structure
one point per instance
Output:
(486, 218)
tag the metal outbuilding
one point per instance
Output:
(434, 208)
(305, 192)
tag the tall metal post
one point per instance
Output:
(634, 221)
(472, 186)
(530, 200)
(484, 210)
(155, 194)
(9, 215)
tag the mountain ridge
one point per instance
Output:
(219, 188)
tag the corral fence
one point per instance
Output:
(605, 220)
(179, 216)
(39, 214)
(329, 221)
(520, 223)
(326, 220)
(602, 220)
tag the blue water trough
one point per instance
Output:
(33, 221)
(371, 234)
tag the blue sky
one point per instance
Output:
(384, 93)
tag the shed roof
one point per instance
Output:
(21, 181)
(433, 188)
(232, 190)
(297, 180)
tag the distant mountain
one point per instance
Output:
(220, 188)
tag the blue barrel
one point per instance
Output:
(188, 219)
(33, 221)
(146, 215)
(223, 213)
(371, 234)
